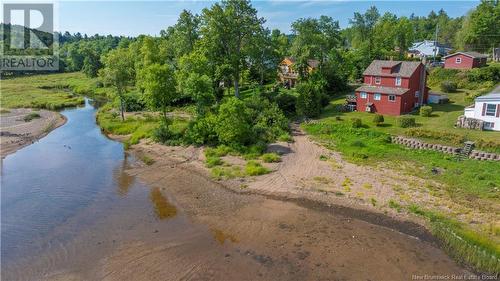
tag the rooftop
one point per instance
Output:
(489, 97)
(400, 68)
(469, 54)
(382, 90)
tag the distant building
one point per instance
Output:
(288, 73)
(392, 87)
(427, 48)
(485, 112)
(465, 60)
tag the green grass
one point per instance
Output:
(231, 172)
(31, 116)
(254, 168)
(271, 157)
(468, 178)
(460, 242)
(213, 161)
(49, 91)
(435, 129)
(147, 160)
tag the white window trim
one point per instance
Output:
(363, 95)
(389, 98)
(489, 125)
(379, 79)
(458, 60)
(398, 81)
(375, 96)
(494, 110)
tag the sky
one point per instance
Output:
(131, 18)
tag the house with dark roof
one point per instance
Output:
(288, 72)
(392, 87)
(465, 60)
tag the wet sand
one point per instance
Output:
(15, 133)
(180, 225)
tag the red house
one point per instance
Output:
(465, 60)
(392, 87)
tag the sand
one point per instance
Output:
(15, 133)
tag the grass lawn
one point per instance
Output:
(48, 91)
(439, 124)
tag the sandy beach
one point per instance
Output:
(16, 133)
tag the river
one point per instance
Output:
(75, 206)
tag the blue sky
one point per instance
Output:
(149, 17)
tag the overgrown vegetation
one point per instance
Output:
(31, 116)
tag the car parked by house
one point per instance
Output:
(392, 87)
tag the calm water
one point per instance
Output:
(73, 176)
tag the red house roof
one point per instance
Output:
(473, 55)
(391, 68)
(382, 90)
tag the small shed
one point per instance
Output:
(465, 60)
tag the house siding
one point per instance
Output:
(404, 103)
(479, 113)
(467, 62)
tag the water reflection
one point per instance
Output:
(221, 236)
(123, 180)
(163, 209)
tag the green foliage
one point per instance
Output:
(213, 161)
(147, 160)
(425, 111)
(378, 119)
(254, 168)
(31, 116)
(395, 205)
(406, 121)
(480, 28)
(202, 130)
(133, 102)
(163, 133)
(356, 123)
(462, 243)
(270, 157)
(309, 101)
(448, 86)
(233, 124)
(159, 85)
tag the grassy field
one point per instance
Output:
(50, 91)
(439, 128)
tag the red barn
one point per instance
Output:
(392, 87)
(465, 60)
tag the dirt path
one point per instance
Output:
(15, 133)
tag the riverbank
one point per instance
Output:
(21, 127)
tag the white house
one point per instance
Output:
(487, 109)
(428, 48)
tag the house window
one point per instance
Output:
(378, 80)
(491, 109)
(377, 96)
(417, 94)
(363, 95)
(398, 81)
(488, 125)
(392, 98)
(458, 60)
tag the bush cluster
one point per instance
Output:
(448, 86)
(378, 119)
(356, 123)
(406, 121)
(425, 111)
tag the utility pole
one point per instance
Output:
(435, 43)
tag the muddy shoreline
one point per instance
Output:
(17, 134)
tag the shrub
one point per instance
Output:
(448, 86)
(286, 102)
(213, 161)
(233, 125)
(309, 99)
(378, 119)
(425, 111)
(356, 123)
(271, 157)
(406, 122)
(254, 168)
(202, 131)
(31, 116)
(162, 134)
(133, 102)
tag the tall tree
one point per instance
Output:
(231, 26)
(159, 85)
(118, 72)
(480, 30)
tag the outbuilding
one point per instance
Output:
(465, 60)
